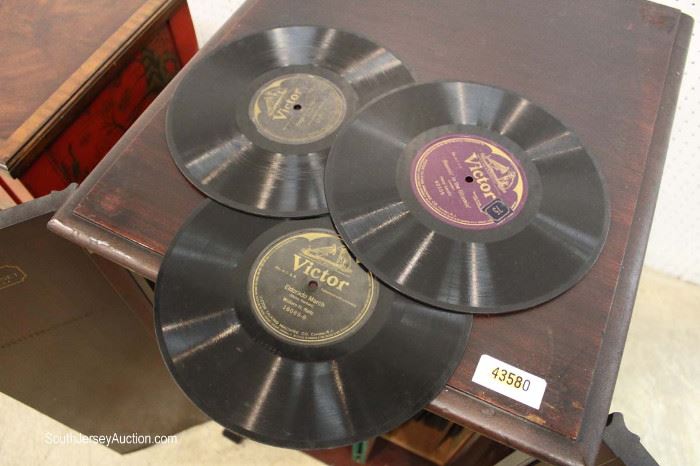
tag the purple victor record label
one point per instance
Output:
(468, 182)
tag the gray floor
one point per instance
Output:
(657, 390)
(658, 387)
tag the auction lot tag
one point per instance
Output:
(510, 381)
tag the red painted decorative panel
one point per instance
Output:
(76, 151)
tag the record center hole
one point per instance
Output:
(296, 107)
(313, 284)
(469, 179)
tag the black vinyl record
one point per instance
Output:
(250, 124)
(278, 334)
(467, 197)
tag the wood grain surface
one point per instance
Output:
(53, 53)
(609, 70)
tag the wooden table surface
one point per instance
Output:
(609, 69)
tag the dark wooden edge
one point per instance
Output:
(18, 151)
(68, 224)
(455, 405)
(96, 239)
(610, 356)
(505, 428)
(541, 442)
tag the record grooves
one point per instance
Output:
(324, 292)
(250, 125)
(275, 332)
(494, 204)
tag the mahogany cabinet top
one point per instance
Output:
(610, 70)
(54, 53)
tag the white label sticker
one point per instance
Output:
(510, 381)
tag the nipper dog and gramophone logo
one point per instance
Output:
(297, 108)
(469, 182)
(305, 287)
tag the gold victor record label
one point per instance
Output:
(305, 287)
(297, 108)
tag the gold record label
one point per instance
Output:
(297, 108)
(305, 287)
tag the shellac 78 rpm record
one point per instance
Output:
(467, 197)
(278, 334)
(250, 125)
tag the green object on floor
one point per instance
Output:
(360, 450)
